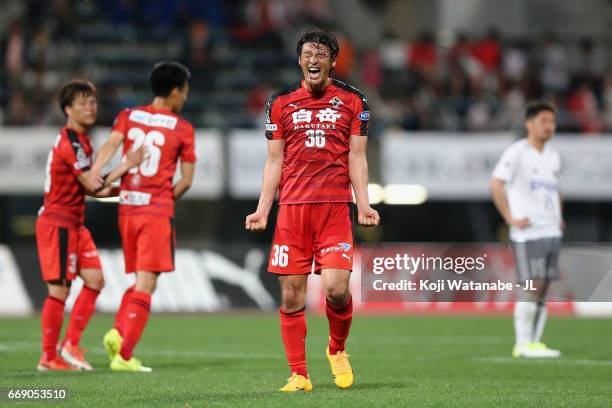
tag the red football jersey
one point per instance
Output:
(148, 189)
(316, 129)
(64, 202)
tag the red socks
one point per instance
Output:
(120, 316)
(52, 317)
(82, 311)
(293, 332)
(135, 320)
(339, 318)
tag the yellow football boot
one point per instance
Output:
(297, 383)
(112, 343)
(133, 364)
(341, 368)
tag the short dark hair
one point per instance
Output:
(71, 89)
(535, 107)
(166, 76)
(319, 36)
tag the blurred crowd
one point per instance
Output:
(240, 51)
(235, 50)
(454, 82)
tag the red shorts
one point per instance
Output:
(148, 243)
(63, 252)
(319, 231)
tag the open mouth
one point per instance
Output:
(314, 72)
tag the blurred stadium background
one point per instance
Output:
(447, 81)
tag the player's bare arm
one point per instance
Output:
(106, 152)
(358, 172)
(498, 193)
(181, 187)
(90, 183)
(258, 220)
(132, 159)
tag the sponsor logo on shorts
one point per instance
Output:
(90, 254)
(341, 247)
(365, 116)
(345, 246)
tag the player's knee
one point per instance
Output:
(292, 299)
(146, 286)
(95, 282)
(337, 294)
(146, 282)
(541, 286)
(59, 292)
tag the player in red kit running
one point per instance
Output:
(65, 246)
(146, 200)
(317, 135)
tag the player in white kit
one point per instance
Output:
(525, 190)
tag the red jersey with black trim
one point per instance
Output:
(64, 202)
(148, 189)
(316, 129)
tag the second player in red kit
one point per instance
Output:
(65, 246)
(317, 136)
(146, 200)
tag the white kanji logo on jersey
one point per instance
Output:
(302, 115)
(328, 115)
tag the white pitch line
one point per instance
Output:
(443, 339)
(197, 354)
(31, 346)
(561, 360)
(34, 346)
(19, 346)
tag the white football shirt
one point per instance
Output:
(532, 189)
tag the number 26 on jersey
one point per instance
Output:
(152, 140)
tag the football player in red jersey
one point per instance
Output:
(146, 200)
(317, 135)
(65, 246)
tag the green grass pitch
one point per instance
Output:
(237, 360)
